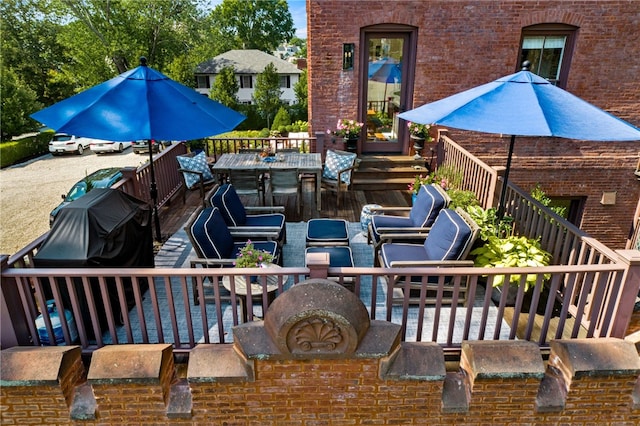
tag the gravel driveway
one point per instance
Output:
(29, 191)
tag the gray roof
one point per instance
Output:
(249, 61)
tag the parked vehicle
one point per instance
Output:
(102, 178)
(100, 147)
(142, 146)
(63, 143)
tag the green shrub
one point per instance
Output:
(13, 152)
(281, 119)
(462, 199)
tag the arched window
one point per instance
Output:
(549, 48)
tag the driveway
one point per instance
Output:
(29, 191)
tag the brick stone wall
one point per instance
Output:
(463, 44)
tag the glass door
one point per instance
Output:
(384, 91)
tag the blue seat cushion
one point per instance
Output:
(327, 230)
(335, 162)
(267, 219)
(384, 221)
(339, 256)
(211, 235)
(227, 200)
(428, 204)
(448, 238)
(196, 163)
(401, 251)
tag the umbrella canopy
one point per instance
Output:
(140, 104)
(386, 70)
(523, 104)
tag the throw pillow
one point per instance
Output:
(334, 162)
(196, 163)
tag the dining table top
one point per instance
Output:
(287, 160)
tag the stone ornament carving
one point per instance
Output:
(316, 333)
(317, 318)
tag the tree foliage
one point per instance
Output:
(225, 88)
(267, 92)
(18, 101)
(252, 24)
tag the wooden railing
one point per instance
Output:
(167, 314)
(477, 176)
(215, 147)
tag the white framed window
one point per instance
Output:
(203, 82)
(246, 82)
(285, 81)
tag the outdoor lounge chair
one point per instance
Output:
(447, 245)
(430, 200)
(217, 246)
(337, 172)
(236, 215)
(195, 173)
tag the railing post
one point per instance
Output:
(318, 264)
(13, 323)
(629, 292)
(320, 136)
(495, 200)
(129, 175)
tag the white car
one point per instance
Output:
(100, 147)
(63, 143)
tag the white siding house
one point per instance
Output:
(247, 64)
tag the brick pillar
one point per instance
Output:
(132, 376)
(503, 378)
(38, 383)
(597, 378)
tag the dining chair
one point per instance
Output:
(286, 182)
(248, 182)
(337, 172)
(195, 172)
(447, 244)
(385, 227)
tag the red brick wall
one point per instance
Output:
(462, 44)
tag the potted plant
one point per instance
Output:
(349, 130)
(250, 257)
(419, 133)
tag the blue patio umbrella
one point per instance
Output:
(385, 70)
(140, 104)
(523, 104)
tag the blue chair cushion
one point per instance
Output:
(339, 256)
(268, 246)
(382, 221)
(334, 162)
(401, 251)
(227, 200)
(327, 230)
(448, 238)
(428, 204)
(211, 235)
(197, 163)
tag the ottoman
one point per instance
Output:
(339, 257)
(327, 232)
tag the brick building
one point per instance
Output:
(370, 60)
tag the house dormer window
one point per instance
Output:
(549, 48)
(246, 82)
(285, 81)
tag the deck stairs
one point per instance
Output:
(387, 172)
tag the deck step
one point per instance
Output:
(387, 172)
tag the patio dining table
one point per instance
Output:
(305, 163)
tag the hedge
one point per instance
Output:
(13, 152)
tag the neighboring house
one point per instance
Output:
(383, 60)
(248, 64)
(286, 51)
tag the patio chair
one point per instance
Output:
(447, 245)
(430, 200)
(236, 215)
(248, 182)
(195, 172)
(217, 246)
(286, 182)
(337, 172)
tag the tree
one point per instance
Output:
(252, 24)
(300, 90)
(18, 101)
(301, 43)
(267, 92)
(225, 88)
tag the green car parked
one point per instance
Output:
(102, 178)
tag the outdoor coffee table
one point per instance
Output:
(256, 290)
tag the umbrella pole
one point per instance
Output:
(153, 191)
(503, 192)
